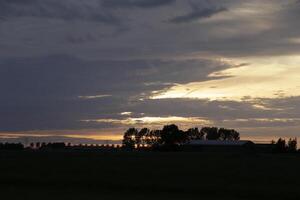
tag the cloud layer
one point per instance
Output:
(109, 64)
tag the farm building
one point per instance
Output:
(218, 146)
(265, 147)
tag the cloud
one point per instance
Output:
(50, 87)
(262, 122)
(55, 9)
(136, 3)
(271, 77)
(95, 96)
(93, 10)
(196, 14)
(246, 28)
(126, 113)
(52, 52)
(152, 122)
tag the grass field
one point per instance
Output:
(152, 175)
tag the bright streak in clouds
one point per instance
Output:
(264, 107)
(261, 77)
(265, 120)
(113, 134)
(153, 120)
(94, 97)
(126, 113)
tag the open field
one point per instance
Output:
(148, 175)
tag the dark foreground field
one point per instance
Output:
(121, 175)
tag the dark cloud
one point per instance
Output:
(136, 3)
(53, 9)
(197, 14)
(80, 39)
(43, 92)
(98, 11)
(40, 84)
(216, 110)
(144, 34)
(18, 2)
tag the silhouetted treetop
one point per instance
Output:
(172, 135)
(129, 138)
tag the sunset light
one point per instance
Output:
(266, 77)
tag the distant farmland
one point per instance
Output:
(148, 175)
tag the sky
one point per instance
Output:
(85, 71)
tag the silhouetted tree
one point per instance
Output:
(171, 135)
(56, 145)
(280, 146)
(140, 137)
(235, 135)
(43, 145)
(154, 138)
(224, 133)
(149, 137)
(194, 134)
(273, 142)
(292, 145)
(11, 146)
(129, 138)
(228, 134)
(211, 133)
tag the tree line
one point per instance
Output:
(172, 135)
(11, 146)
(281, 146)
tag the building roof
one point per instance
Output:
(219, 142)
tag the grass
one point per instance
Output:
(148, 175)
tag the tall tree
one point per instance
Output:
(211, 133)
(194, 134)
(140, 137)
(235, 135)
(228, 134)
(129, 138)
(156, 137)
(280, 146)
(171, 135)
(292, 145)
